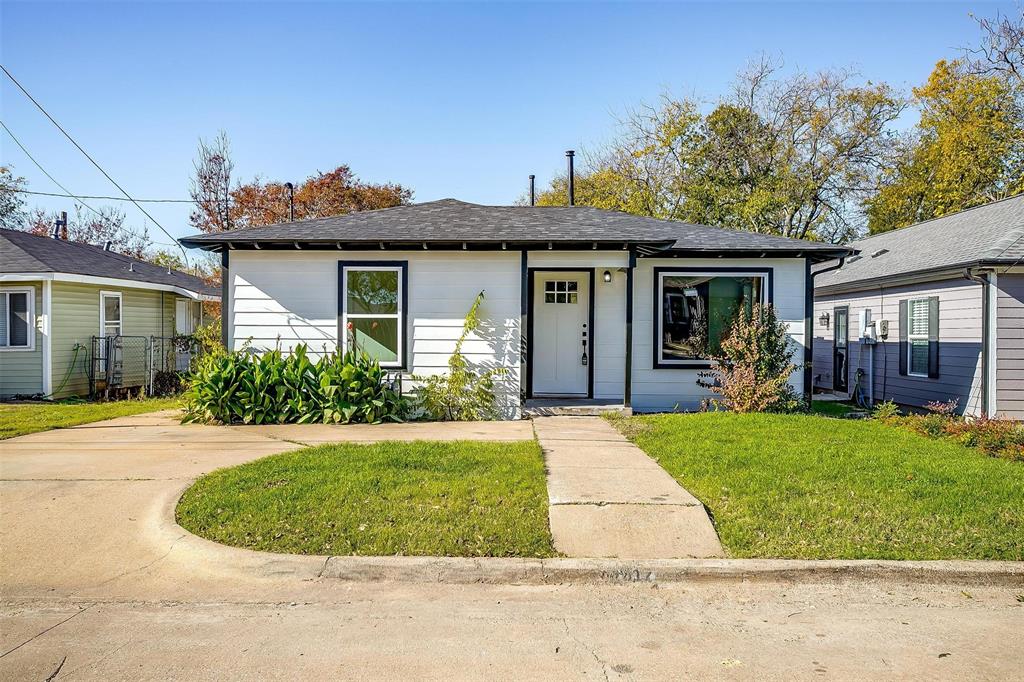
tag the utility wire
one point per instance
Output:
(93, 161)
(95, 196)
(281, 206)
(46, 173)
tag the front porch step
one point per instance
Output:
(572, 407)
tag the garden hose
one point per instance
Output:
(67, 375)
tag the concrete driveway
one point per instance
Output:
(96, 582)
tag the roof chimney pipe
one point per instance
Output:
(572, 179)
(60, 230)
(533, 198)
(291, 200)
(106, 247)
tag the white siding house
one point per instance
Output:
(577, 300)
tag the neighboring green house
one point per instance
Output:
(61, 300)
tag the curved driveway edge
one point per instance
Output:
(90, 512)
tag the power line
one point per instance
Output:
(283, 206)
(93, 161)
(40, 167)
(96, 196)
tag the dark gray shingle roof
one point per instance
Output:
(21, 252)
(991, 233)
(453, 221)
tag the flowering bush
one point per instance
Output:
(994, 437)
(752, 369)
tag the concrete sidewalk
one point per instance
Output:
(609, 499)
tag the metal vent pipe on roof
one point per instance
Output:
(106, 247)
(533, 200)
(60, 228)
(572, 178)
(291, 200)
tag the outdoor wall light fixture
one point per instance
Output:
(607, 275)
(824, 319)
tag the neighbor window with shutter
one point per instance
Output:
(919, 337)
(17, 312)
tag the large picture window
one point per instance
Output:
(695, 311)
(16, 319)
(373, 310)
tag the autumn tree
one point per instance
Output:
(96, 227)
(792, 156)
(967, 149)
(324, 194)
(211, 185)
(12, 202)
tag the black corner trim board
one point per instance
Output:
(403, 265)
(657, 362)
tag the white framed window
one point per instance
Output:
(110, 313)
(373, 310)
(918, 324)
(17, 318)
(695, 309)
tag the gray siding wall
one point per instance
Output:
(21, 371)
(1010, 345)
(960, 311)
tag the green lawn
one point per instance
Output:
(458, 498)
(810, 487)
(19, 419)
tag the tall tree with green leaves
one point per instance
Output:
(12, 201)
(787, 155)
(967, 149)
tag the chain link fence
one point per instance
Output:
(151, 365)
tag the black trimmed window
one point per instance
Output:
(17, 311)
(372, 309)
(695, 309)
(919, 337)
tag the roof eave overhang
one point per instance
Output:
(108, 281)
(277, 244)
(813, 255)
(944, 272)
(644, 248)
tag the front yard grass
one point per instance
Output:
(18, 419)
(460, 498)
(810, 487)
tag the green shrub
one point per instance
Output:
(242, 387)
(463, 394)
(995, 437)
(752, 369)
(885, 411)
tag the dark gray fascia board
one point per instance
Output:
(905, 278)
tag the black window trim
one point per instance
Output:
(656, 311)
(403, 267)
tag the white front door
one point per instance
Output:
(561, 310)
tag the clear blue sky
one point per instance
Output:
(453, 99)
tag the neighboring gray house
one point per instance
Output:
(58, 299)
(583, 304)
(931, 312)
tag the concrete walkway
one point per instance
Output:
(609, 499)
